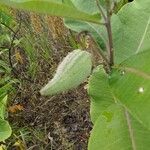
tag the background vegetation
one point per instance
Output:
(31, 47)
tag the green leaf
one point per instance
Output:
(143, 5)
(4, 66)
(115, 129)
(4, 80)
(91, 6)
(130, 83)
(51, 7)
(131, 28)
(98, 32)
(94, 29)
(3, 102)
(5, 130)
(68, 3)
(5, 88)
(5, 17)
(100, 93)
(88, 7)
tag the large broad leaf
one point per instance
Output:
(115, 129)
(132, 36)
(130, 82)
(89, 6)
(100, 94)
(143, 4)
(94, 29)
(5, 130)
(51, 7)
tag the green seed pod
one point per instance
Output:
(72, 71)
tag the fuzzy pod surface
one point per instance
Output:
(71, 72)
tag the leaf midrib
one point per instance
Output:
(131, 132)
(95, 18)
(133, 70)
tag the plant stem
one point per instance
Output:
(110, 39)
(101, 10)
(107, 19)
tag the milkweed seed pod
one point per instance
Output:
(71, 72)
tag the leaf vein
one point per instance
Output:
(143, 36)
(138, 72)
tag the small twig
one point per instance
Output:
(12, 43)
(23, 140)
(32, 147)
(2, 23)
(9, 53)
(11, 47)
(3, 47)
(101, 10)
(113, 7)
(3, 143)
